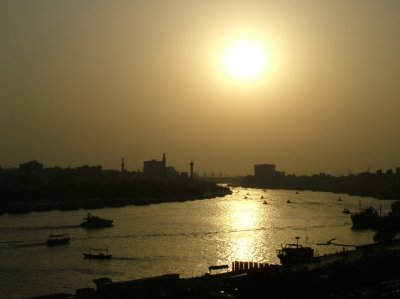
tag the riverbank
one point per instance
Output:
(96, 200)
(367, 272)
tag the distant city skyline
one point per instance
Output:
(310, 86)
(189, 169)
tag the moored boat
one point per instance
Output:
(367, 218)
(292, 254)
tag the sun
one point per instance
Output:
(245, 60)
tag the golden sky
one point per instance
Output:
(87, 82)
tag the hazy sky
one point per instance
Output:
(87, 82)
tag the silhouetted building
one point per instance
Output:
(31, 166)
(171, 172)
(154, 169)
(264, 170)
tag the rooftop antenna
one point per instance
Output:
(297, 241)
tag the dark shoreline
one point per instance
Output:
(96, 203)
(369, 271)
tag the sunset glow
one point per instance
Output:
(245, 60)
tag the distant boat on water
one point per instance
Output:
(96, 222)
(346, 211)
(60, 239)
(97, 254)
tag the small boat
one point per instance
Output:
(57, 239)
(288, 201)
(97, 254)
(218, 267)
(346, 211)
(265, 202)
(292, 254)
(96, 222)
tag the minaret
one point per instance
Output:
(164, 170)
(122, 165)
(191, 169)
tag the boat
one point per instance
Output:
(346, 211)
(97, 254)
(367, 218)
(265, 202)
(57, 239)
(218, 267)
(293, 254)
(96, 222)
(370, 218)
(288, 201)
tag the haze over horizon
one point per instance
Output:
(89, 82)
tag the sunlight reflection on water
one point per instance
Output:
(183, 237)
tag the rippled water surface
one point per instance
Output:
(183, 238)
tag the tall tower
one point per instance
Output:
(191, 169)
(164, 160)
(122, 165)
(164, 165)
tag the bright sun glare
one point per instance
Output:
(245, 60)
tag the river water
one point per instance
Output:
(184, 237)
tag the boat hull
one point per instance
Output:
(92, 256)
